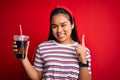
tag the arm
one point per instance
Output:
(30, 70)
(84, 73)
(81, 53)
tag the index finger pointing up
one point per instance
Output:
(83, 40)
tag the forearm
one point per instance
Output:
(84, 74)
(30, 70)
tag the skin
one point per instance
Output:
(81, 53)
(61, 29)
(30, 70)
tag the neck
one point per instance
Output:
(66, 42)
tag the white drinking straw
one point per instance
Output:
(20, 29)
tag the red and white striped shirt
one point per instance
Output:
(58, 61)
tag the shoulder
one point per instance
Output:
(88, 50)
(46, 43)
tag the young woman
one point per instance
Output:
(62, 57)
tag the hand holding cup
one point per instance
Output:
(20, 46)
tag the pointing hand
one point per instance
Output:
(81, 51)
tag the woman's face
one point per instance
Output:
(62, 28)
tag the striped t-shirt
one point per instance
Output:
(58, 61)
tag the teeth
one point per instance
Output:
(61, 35)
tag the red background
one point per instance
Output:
(99, 20)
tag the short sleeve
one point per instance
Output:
(88, 57)
(38, 63)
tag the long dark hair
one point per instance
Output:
(74, 35)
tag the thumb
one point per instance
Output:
(83, 40)
(28, 43)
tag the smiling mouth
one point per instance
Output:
(59, 36)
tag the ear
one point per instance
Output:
(72, 25)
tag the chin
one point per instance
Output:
(61, 40)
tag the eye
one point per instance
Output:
(63, 25)
(54, 26)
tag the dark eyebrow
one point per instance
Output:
(63, 22)
(60, 23)
(53, 24)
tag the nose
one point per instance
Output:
(59, 29)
